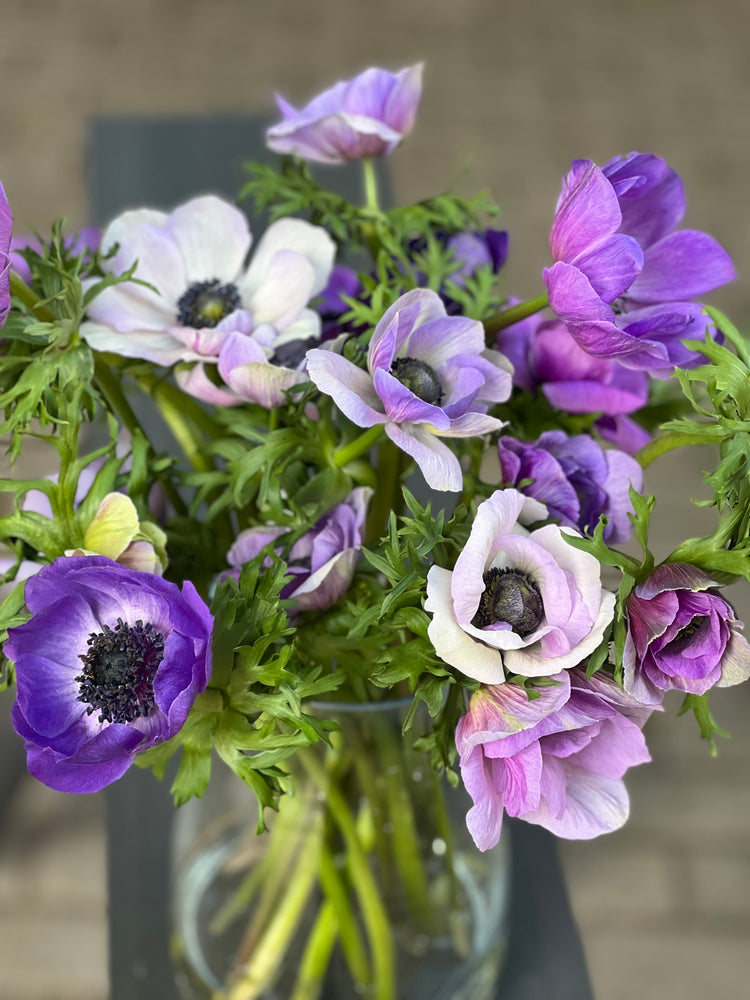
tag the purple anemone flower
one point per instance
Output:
(557, 761)
(366, 116)
(428, 376)
(108, 665)
(322, 561)
(525, 602)
(209, 307)
(575, 479)
(623, 281)
(6, 229)
(85, 242)
(682, 634)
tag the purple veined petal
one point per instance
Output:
(619, 746)
(522, 780)
(472, 425)
(261, 382)
(587, 213)
(612, 266)
(650, 194)
(196, 383)
(572, 298)
(143, 237)
(484, 781)
(554, 357)
(65, 776)
(605, 340)
(251, 542)
(451, 642)
(401, 105)
(594, 805)
(438, 340)
(286, 289)
(382, 347)
(624, 433)
(437, 463)
(402, 406)
(682, 266)
(623, 472)
(461, 383)
(212, 236)
(651, 618)
(498, 711)
(591, 397)
(634, 680)
(328, 584)
(419, 306)
(350, 388)
(311, 242)
(671, 576)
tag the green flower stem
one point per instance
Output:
(286, 837)
(110, 388)
(370, 177)
(28, 296)
(182, 431)
(153, 385)
(263, 964)
(317, 955)
(387, 497)
(405, 837)
(348, 452)
(374, 914)
(348, 928)
(507, 317)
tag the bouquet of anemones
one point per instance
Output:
(377, 559)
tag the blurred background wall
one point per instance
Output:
(513, 92)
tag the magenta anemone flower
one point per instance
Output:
(557, 761)
(321, 562)
(575, 479)
(209, 307)
(6, 229)
(525, 602)
(623, 280)
(366, 116)
(108, 665)
(429, 376)
(682, 634)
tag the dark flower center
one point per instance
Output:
(512, 597)
(686, 633)
(206, 303)
(118, 671)
(292, 354)
(419, 378)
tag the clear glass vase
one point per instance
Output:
(366, 884)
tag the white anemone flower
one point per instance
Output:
(205, 298)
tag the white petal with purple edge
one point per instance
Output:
(285, 291)
(437, 463)
(213, 238)
(350, 388)
(310, 241)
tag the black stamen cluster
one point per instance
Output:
(118, 671)
(417, 376)
(206, 303)
(510, 596)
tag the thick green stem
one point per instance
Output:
(374, 915)
(348, 452)
(182, 431)
(514, 314)
(387, 497)
(28, 296)
(317, 954)
(372, 202)
(263, 964)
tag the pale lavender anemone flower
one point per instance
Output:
(428, 376)
(525, 602)
(209, 307)
(108, 665)
(623, 280)
(575, 479)
(322, 561)
(6, 229)
(557, 761)
(366, 116)
(682, 635)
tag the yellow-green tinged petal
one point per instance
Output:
(114, 526)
